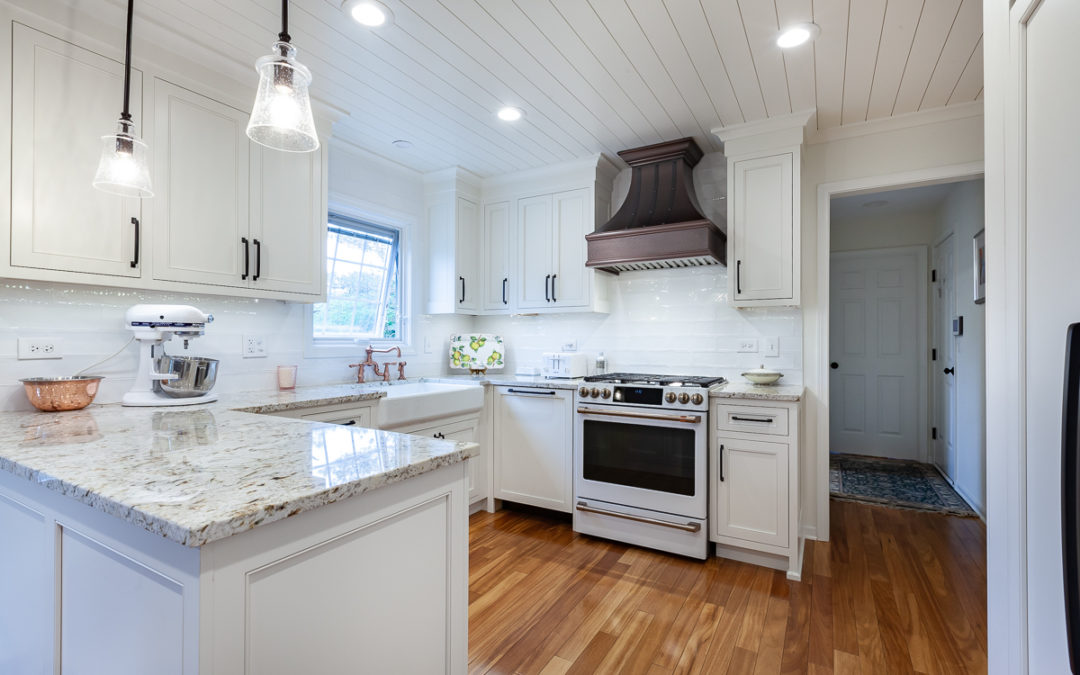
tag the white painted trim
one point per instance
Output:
(817, 379)
(769, 125)
(922, 405)
(905, 121)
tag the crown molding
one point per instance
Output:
(905, 121)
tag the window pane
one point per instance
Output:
(362, 283)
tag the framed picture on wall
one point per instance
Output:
(978, 251)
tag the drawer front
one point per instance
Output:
(359, 417)
(748, 419)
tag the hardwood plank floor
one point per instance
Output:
(892, 592)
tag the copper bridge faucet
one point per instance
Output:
(384, 372)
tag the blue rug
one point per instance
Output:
(894, 482)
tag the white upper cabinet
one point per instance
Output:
(202, 171)
(496, 246)
(536, 253)
(288, 213)
(570, 280)
(455, 249)
(65, 99)
(227, 217)
(764, 160)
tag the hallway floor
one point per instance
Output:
(893, 592)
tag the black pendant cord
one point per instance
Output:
(126, 114)
(284, 36)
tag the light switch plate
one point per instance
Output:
(40, 348)
(569, 346)
(771, 346)
(748, 346)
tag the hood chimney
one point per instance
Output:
(660, 224)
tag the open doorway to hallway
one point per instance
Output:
(907, 337)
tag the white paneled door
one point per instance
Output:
(877, 352)
(943, 373)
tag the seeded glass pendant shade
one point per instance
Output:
(281, 118)
(123, 168)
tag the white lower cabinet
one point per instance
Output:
(465, 430)
(533, 446)
(754, 483)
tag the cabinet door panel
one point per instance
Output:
(763, 228)
(467, 246)
(66, 99)
(571, 223)
(201, 210)
(534, 448)
(497, 252)
(288, 220)
(751, 502)
(534, 252)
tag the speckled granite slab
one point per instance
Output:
(195, 475)
(303, 397)
(758, 392)
(509, 380)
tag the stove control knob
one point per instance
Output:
(594, 392)
(584, 392)
(606, 393)
(696, 399)
(684, 398)
(669, 397)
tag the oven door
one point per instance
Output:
(641, 457)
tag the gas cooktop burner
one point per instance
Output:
(657, 380)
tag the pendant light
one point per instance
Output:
(281, 118)
(123, 168)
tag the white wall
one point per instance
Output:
(884, 231)
(910, 151)
(675, 321)
(90, 319)
(962, 216)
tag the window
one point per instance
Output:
(363, 273)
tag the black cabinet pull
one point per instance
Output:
(504, 290)
(949, 371)
(135, 259)
(834, 365)
(258, 259)
(553, 298)
(439, 435)
(531, 392)
(547, 288)
(349, 423)
(721, 462)
(738, 277)
(462, 289)
(247, 258)
(762, 420)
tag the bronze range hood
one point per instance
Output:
(660, 224)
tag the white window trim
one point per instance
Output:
(406, 225)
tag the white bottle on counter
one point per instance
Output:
(601, 364)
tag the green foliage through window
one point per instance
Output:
(362, 269)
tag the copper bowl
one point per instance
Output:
(54, 394)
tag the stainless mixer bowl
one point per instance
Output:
(196, 375)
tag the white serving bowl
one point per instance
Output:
(763, 375)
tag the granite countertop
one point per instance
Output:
(509, 379)
(758, 392)
(197, 474)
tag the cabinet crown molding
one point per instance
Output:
(753, 137)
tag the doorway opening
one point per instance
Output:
(907, 348)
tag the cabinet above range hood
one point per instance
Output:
(660, 224)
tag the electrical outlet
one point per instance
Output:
(253, 347)
(40, 348)
(569, 346)
(748, 346)
(772, 346)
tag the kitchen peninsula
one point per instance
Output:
(217, 540)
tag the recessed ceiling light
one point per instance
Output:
(795, 35)
(511, 114)
(875, 204)
(402, 143)
(371, 13)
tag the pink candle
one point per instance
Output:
(286, 377)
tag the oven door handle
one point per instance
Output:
(688, 527)
(689, 419)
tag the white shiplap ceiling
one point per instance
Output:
(598, 75)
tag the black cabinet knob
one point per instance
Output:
(834, 365)
(949, 371)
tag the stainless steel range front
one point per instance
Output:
(640, 460)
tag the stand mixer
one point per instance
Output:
(153, 325)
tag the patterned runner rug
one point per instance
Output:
(894, 482)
